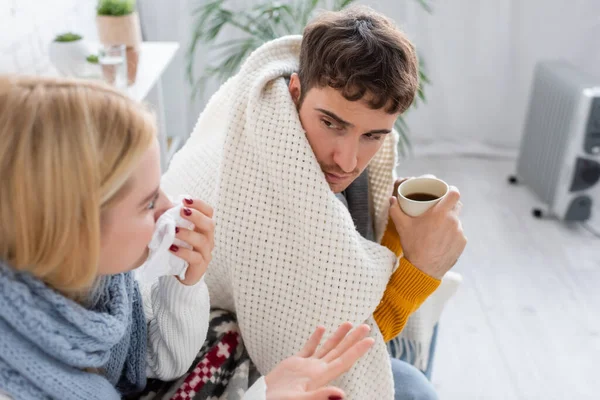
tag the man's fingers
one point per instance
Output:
(460, 227)
(311, 345)
(458, 207)
(396, 213)
(334, 340)
(451, 199)
(397, 183)
(350, 340)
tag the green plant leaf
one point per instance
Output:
(229, 60)
(404, 143)
(305, 9)
(276, 19)
(214, 14)
(341, 4)
(426, 6)
(68, 37)
(92, 59)
(115, 8)
(213, 30)
(423, 81)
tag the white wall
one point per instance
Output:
(28, 26)
(164, 20)
(480, 56)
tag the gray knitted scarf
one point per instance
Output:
(48, 342)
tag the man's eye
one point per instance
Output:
(371, 136)
(328, 124)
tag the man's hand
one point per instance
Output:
(433, 241)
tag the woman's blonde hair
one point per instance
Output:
(67, 149)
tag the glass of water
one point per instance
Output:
(113, 61)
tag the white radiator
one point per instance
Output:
(560, 151)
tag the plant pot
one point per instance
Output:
(69, 58)
(125, 30)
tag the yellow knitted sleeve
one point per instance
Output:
(407, 289)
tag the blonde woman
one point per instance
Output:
(79, 198)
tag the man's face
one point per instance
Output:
(344, 135)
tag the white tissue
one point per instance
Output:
(161, 261)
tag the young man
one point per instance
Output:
(296, 154)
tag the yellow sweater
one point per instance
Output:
(407, 289)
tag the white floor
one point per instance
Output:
(526, 322)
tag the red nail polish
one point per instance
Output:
(173, 248)
(335, 398)
(187, 211)
(188, 201)
(176, 230)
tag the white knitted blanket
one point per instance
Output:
(287, 255)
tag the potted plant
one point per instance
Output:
(118, 23)
(68, 52)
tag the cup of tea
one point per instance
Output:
(417, 195)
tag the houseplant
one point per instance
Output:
(68, 53)
(118, 23)
(259, 24)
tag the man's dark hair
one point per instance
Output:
(360, 53)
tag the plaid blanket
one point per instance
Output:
(222, 369)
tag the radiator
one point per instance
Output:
(559, 157)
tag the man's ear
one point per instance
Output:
(295, 88)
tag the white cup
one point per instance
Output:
(423, 185)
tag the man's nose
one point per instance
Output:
(346, 154)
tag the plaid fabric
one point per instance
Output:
(221, 371)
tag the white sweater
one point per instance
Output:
(177, 318)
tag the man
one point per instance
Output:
(296, 155)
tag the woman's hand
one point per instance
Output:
(202, 239)
(304, 376)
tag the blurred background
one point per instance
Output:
(525, 323)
